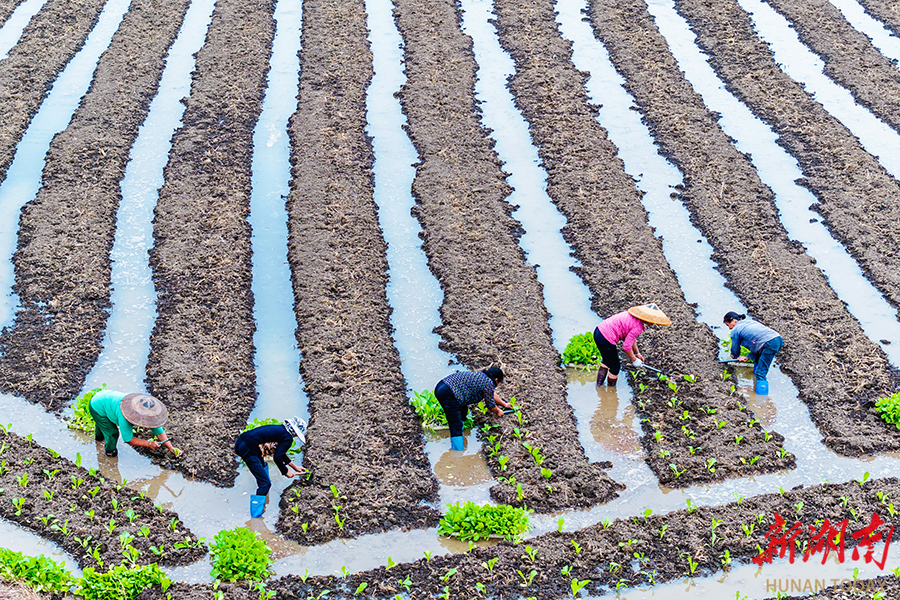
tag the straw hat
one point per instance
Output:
(144, 410)
(650, 313)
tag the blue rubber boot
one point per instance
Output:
(762, 387)
(257, 506)
(456, 443)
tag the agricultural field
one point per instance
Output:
(269, 208)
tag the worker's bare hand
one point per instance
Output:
(154, 445)
(743, 359)
(177, 452)
(497, 411)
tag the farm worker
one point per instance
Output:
(119, 412)
(624, 327)
(457, 391)
(762, 342)
(251, 445)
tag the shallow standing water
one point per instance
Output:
(606, 418)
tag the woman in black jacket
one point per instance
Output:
(249, 446)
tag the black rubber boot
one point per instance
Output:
(601, 374)
(113, 452)
(611, 382)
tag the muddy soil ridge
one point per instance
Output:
(637, 550)
(859, 200)
(623, 263)
(49, 41)
(734, 210)
(493, 310)
(201, 349)
(850, 58)
(886, 11)
(6, 9)
(364, 439)
(66, 233)
(84, 513)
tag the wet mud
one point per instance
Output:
(49, 40)
(201, 349)
(6, 9)
(364, 439)
(849, 56)
(66, 233)
(886, 11)
(734, 209)
(84, 513)
(859, 200)
(623, 262)
(635, 551)
(493, 311)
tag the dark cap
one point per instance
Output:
(733, 316)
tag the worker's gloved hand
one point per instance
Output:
(637, 363)
(456, 443)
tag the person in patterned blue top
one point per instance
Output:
(457, 391)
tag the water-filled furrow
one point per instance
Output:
(855, 194)
(623, 263)
(886, 11)
(26, 83)
(413, 292)
(848, 56)
(364, 438)
(493, 310)
(14, 16)
(201, 349)
(882, 38)
(279, 387)
(66, 232)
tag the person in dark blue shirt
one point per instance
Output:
(251, 445)
(762, 342)
(456, 391)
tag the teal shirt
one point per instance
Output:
(108, 403)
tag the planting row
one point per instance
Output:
(201, 349)
(849, 56)
(52, 37)
(366, 449)
(642, 550)
(734, 210)
(623, 263)
(857, 197)
(62, 263)
(6, 9)
(885, 11)
(492, 311)
(95, 520)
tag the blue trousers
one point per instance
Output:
(765, 358)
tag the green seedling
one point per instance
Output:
(427, 556)
(566, 570)
(112, 526)
(50, 474)
(738, 497)
(547, 473)
(22, 480)
(725, 558)
(748, 529)
(90, 515)
(94, 491)
(657, 435)
(578, 547)
(752, 422)
(502, 460)
(48, 495)
(737, 440)
(530, 553)
(361, 588)
(76, 482)
(63, 529)
(560, 524)
(390, 563)
(691, 506)
(720, 424)
(450, 573)
(144, 531)
(527, 579)
(710, 465)
(675, 470)
(662, 531)
(576, 585)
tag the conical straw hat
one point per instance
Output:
(650, 313)
(144, 410)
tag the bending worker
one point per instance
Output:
(762, 342)
(118, 412)
(250, 446)
(457, 391)
(624, 327)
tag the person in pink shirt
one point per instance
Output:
(624, 327)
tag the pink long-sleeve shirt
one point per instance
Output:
(622, 327)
